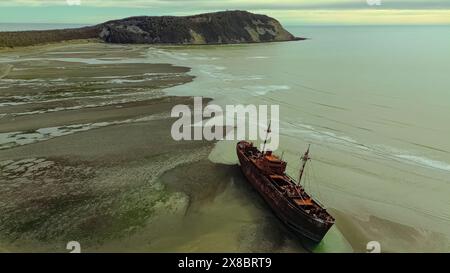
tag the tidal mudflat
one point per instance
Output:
(86, 155)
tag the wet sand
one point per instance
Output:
(90, 187)
(396, 237)
(82, 146)
(130, 188)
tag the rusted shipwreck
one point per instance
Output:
(288, 199)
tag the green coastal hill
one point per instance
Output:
(210, 28)
(29, 38)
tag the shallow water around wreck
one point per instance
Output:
(374, 106)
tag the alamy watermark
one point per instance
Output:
(74, 247)
(234, 122)
(373, 247)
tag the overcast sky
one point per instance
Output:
(290, 12)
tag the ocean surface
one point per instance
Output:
(374, 102)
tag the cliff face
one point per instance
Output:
(211, 28)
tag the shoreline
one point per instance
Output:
(82, 41)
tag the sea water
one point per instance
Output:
(373, 101)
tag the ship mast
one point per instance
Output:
(305, 159)
(267, 136)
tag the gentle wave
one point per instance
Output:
(258, 57)
(385, 152)
(180, 56)
(426, 162)
(263, 90)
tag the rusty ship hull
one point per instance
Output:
(292, 215)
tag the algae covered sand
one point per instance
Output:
(82, 146)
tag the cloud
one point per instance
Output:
(364, 17)
(287, 11)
